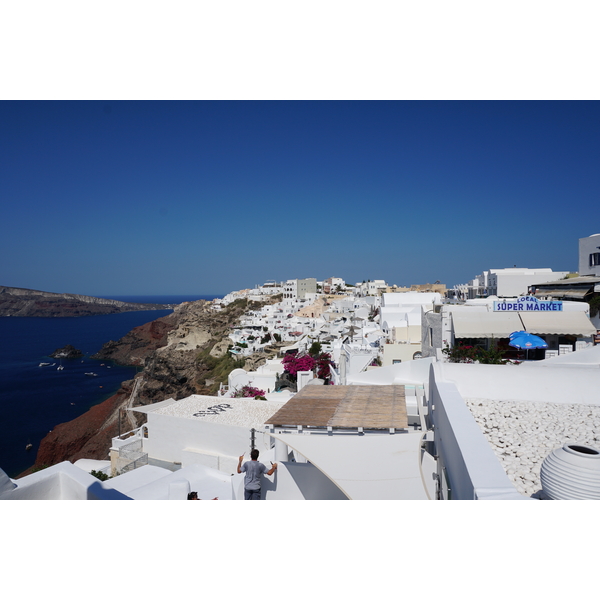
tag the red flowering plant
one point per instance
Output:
(292, 363)
(461, 353)
(247, 391)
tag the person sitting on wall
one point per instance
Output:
(253, 470)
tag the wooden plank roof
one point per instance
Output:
(345, 406)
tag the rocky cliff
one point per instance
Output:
(183, 353)
(19, 302)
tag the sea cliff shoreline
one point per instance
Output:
(181, 354)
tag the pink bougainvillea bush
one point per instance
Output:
(248, 391)
(292, 363)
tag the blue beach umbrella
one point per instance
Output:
(526, 341)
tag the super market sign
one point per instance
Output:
(527, 303)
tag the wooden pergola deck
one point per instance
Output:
(348, 407)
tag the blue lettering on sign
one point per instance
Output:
(528, 303)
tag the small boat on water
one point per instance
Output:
(44, 364)
(59, 368)
(92, 374)
(29, 447)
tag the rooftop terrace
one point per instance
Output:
(241, 412)
(349, 407)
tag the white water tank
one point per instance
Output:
(571, 473)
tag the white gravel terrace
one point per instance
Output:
(522, 434)
(241, 412)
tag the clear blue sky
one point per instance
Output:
(200, 197)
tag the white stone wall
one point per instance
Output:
(465, 456)
(169, 436)
(563, 385)
(401, 352)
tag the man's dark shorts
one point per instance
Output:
(251, 494)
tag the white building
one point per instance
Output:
(478, 323)
(400, 319)
(371, 288)
(333, 284)
(269, 288)
(505, 283)
(589, 255)
(298, 289)
(204, 430)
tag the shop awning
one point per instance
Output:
(563, 293)
(479, 324)
(560, 323)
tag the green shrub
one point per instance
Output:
(39, 468)
(99, 475)
(471, 354)
(218, 368)
(315, 349)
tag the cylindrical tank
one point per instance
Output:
(571, 473)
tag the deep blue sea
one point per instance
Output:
(34, 399)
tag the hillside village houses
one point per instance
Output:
(397, 420)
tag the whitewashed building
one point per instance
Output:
(400, 320)
(299, 289)
(484, 321)
(506, 283)
(589, 255)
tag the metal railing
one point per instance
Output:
(131, 456)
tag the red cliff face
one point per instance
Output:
(140, 343)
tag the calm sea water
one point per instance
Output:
(34, 399)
